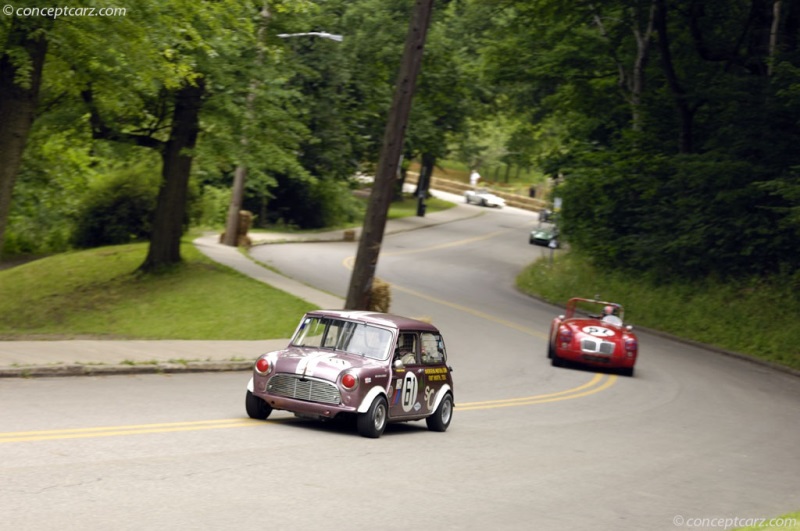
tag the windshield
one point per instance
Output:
(357, 338)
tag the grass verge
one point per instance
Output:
(98, 293)
(755, 317)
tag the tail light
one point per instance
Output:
(630, 346)
(565, 336)
(349, 381)
(263, 366)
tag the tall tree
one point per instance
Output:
(192, 40)
(358, 295)
(21, 65)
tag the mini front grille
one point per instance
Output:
(595, 345)
(308, 389)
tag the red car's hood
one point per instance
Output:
(324, 364)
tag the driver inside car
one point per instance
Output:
(610, 317)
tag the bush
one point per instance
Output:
(118, 207)
(210, 209)
(684, 216)
(310, 203)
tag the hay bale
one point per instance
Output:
(350, 235)
(245, 222)
(244, 241)
(380, 296)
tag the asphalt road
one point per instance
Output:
(694, 435)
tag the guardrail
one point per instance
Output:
(456, 187)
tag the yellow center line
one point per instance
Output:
(598, 383)
(472, 311)
(595, 379)
(113, 431)
(350, 260)
(569, 394)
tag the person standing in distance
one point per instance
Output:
(474, 177)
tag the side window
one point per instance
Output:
(432, 349)
(407, 348)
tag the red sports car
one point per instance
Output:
(592, 333)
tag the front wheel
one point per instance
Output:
(441, 418)
(372, 423)
(256, 407)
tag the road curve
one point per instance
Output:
(694, 435)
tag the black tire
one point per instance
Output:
(441, 418)
(256, 407)
(627, 372)
(372, 423)
(555, 361)
(550, 353)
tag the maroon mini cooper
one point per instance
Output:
(378, 367)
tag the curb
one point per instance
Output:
(39, 371)
(336, 237)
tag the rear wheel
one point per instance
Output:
(441, 418)
(256, 407)
(627, 371)
(372, 423)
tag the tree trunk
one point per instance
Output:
(424, 182)
(685, 113)
(165, 241)
(369, 245)
(425, 174)
(231, 235)
(643, 40)
(17, 111)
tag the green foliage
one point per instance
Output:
(118, 207)
(750, 315)
(49, 191)
(210, 209)
(709, 190)
(695, 216)
(310, 204)
(96, 293)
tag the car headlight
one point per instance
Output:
(263, 366)
(349, 381)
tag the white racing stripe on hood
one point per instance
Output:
(309, 364)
